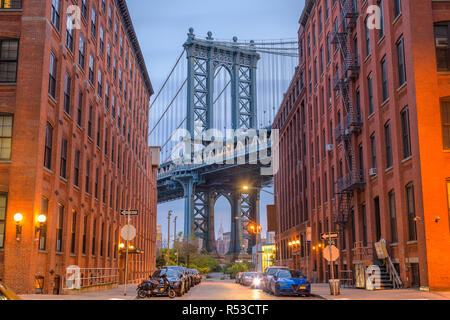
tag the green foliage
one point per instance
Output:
(235, 268)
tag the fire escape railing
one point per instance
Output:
(351, 124)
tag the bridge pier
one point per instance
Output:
(188, 184)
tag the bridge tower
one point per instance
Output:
(204, 57)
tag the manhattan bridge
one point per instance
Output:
(214, 86)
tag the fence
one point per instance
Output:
(80, 278)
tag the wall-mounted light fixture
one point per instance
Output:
(18, 218)
(42, 218)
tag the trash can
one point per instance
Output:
(335, 287)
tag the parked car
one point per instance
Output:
(184, 278)
(237, 279)
(257, 280)
(7, 294)
(196, 275)
(290, 282)
(268, 274)
(247, 278)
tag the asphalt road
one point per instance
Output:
(228, 290)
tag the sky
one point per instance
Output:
(162, 26)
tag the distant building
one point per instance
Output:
(223, 241)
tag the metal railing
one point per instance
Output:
(352, 181)
(80, 278)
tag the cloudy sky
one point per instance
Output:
(162, 27)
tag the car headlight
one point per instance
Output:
(256, 281)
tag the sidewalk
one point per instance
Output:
(323, 290)
(113, 294)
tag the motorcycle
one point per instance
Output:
(150, 288)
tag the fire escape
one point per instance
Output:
(351, 124)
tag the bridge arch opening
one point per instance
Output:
(222, 103)
(222, 225)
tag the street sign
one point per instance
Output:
(129, 212)
(332, 235)
(128, 233)
(331, 253)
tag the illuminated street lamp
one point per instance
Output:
(18, 218)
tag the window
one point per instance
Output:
(445, 118)
(81, 53)
(3, 202)
(397, 7)
(411, 213)
(73, 233)
(76, 169)
(96, 183)
(442, 40)
(67, 85)
(376, 202)
(108, 55)
(384, 79)
(373, 148)
(59, 229)
(102, 40)
(370, 93)
(367, 34)
(52, 77)
(64, 149)
(43, 228)
(6, 124)
(80, 109)
(9, 49)
(100, 84)
(88, 175)
(84, 8)
(85, 223)
(99, 122)
(406, 138)
(388, 144)
(93, 23)
(381, 31)
(102, 238)
(10, 4)
(401, 62)
(69, 33)
(110, 17)
(393, 217)
(104, 189)
(94, 236)
(48, 146)
(107, 95)
(90, 122)
(91, 69)
(364, 224)
(55, 14)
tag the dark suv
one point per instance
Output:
(185, 278)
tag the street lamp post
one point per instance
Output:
(168, 236)
(175, 236)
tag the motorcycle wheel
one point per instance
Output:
(142, 294)
(172, 293)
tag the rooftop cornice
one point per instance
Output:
(309, 5)
(128, 24)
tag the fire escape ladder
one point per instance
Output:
(351, 123)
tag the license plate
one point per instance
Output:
(302, 288)
(161, 289)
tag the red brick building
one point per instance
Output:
(365, 140)
(74, 110)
